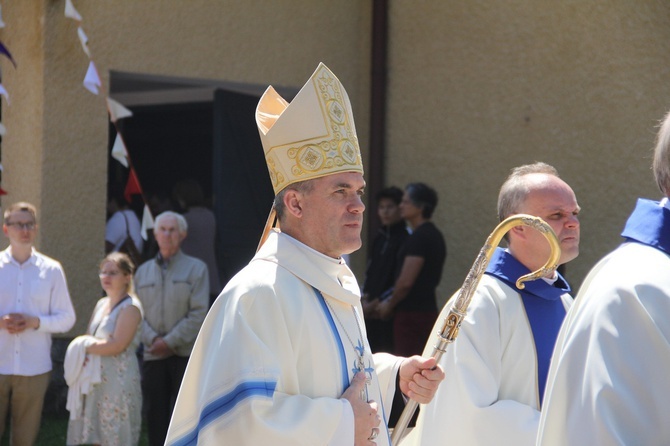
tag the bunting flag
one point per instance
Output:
(5, 51)
(147, 222)
(84, 41)
(4, 93)
(117, 111)
(132, 186)
(119, 151)
(92, 80)
(2, 191)
(71, 12)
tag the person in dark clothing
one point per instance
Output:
(413, 301)
(383, 267)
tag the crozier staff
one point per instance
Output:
(282, 357)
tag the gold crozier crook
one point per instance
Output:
(452, 322)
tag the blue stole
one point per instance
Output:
(344, 373)
(649, 224)
(543, 304)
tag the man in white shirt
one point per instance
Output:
(34, 303)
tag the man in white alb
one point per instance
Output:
(282, 357)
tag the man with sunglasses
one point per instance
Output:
(34, 303)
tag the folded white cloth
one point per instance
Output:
(80, 378)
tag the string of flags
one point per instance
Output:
(116, 112)
(3, 91)
(120, 153)
(91, 79)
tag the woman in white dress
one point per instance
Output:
(111, 413)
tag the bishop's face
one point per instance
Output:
(332, 214)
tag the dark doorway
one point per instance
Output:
(212, 139)
(244, 192)
(170, 143)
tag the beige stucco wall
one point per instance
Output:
(475, 88)
(55, 151)
(479, 87)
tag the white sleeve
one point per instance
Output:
(115, 231)
(61, 317)
(345, 430)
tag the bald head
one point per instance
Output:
(537, 190)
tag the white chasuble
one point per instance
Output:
(275, 353)
(608, 378)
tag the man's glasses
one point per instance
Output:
(27, 226)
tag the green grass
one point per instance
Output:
(53, 432)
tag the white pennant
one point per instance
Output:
(117, 111)
(84, 41)
(4, 93)
(71, 12)
(92, 80)
(119, 151)
(147, 222)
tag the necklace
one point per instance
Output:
(359, 348)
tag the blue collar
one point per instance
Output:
(649, 224)
(544, 308)
(508, 269)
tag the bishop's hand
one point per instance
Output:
(366, 419)
(419, 378)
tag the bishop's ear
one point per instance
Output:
(293, 202)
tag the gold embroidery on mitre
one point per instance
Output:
(275, 175)
(334, 152)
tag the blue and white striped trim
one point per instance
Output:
(225, 404)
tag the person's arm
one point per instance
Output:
(186, 330)
(126, 326)
(411, 268)
(60, 316)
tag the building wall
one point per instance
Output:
(475, 88)
(478, 87)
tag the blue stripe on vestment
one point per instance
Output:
(336, 335)
(225, 404)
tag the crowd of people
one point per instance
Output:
(294, 351)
